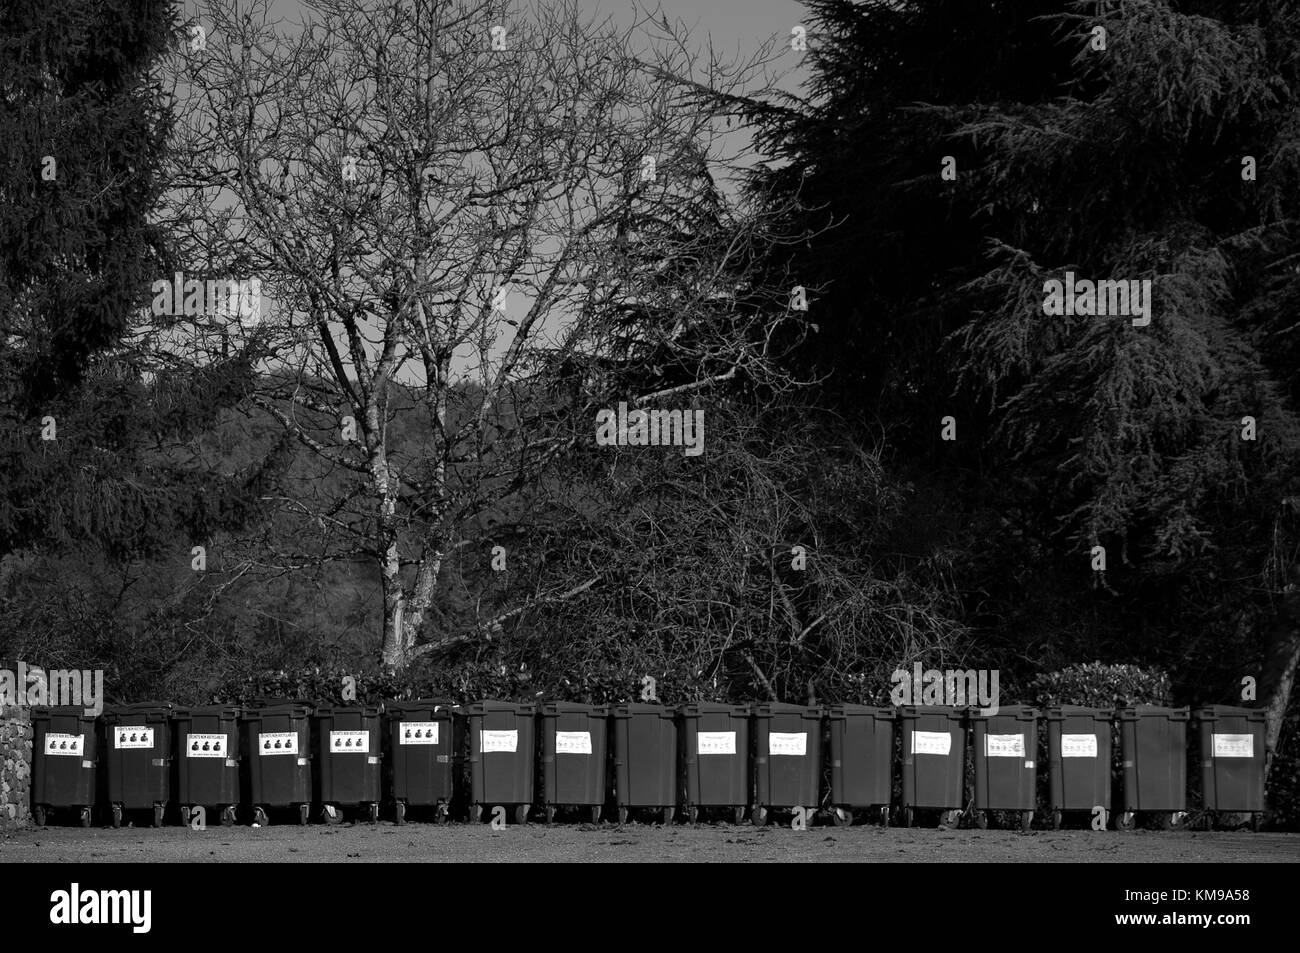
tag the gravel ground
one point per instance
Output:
(633, 842)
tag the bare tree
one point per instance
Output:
(452, 205)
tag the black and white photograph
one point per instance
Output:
(648, 432)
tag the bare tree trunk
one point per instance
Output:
(1282, 653)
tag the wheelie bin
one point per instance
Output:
(645, 760)
(715, 757)
(137, 754)
(862, 759)
(425, 738)
(574, 751)
(934, 761)
(276, 739)
(207, 760)
(787, 758)
(63, 762)
(1232, 760)
(346, 760)
(1154, 745)
(1078, 761)
(501, 757)
(1006, 749)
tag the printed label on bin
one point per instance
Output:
(417, 733)
(206, 746)
(788, 742)
(716, 742)
(1234, 746)
(60, 744)
(490, 741)
(931, 742)
(129, 736)
(277, 742)
(573, 742)
(1004, 746)
(349, 742)
(1078, 746)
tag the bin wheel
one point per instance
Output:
(757, 816)
(476, 813)
(884, 815)
(548, 814)
(595, 813)
(521, 814)
(622, 814)
(303, 810)
(981, 819)
(443, 814)
(38, 815)
(738, 814)
(185, 816)
(1124, 821)
(841, 817)
(1057, 818)
(399, 815)
(906, 817)
(950, 818)
(1026, 820)
(158, 815)
(330, 818)
(85, 816)
(259, 816)
(117, 816)
(374, 813)
(1173, 821)
(668, 816)
(693, 814)
(1256, 821)
(228, 815)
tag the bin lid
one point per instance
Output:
(1211, 712)
(628, 709)
(714, 708)
(328, 711)
(919, 711)
(1134, 712)
(277, 708)
(1019, 712)
(848, 710)
(556, 708)
(45, 712)
(767, 709)
(139, 708)
(402, 706)
(209, 711)
(519, 708)
(1055, 712)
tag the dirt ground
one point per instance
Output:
(630, 843)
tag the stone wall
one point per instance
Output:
(15, 764)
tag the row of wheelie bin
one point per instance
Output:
(431, 755)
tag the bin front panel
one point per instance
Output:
(424, 754)
(862, 755)
(278, 750)
(137, 753)
(573, 754)
(1006, 752)
(1232, 758)
(1155, 758)
(787, 755)
(645, 756)
(63, 758)
(347, 756)
(717, 756)
(502, 754)
(934, 757)
(207, 756)
(1079, 759)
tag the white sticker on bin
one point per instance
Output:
(417, 733)
(277, 742)
(573, 742)
(61, 744)
(349, 742)
(497, 740)
(1078, 746)
(132, 736)
(206, 746)
(1004, 746)
(788, 742)
(1234, 746)
(715, 742)
(931, 742)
